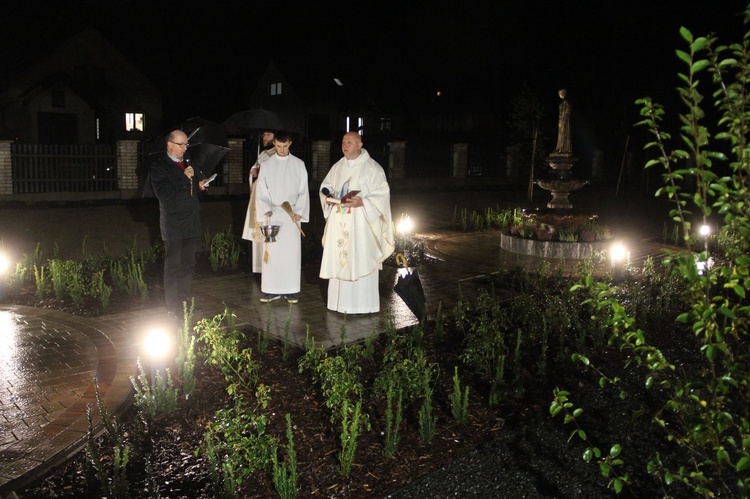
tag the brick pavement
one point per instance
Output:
(48, 359)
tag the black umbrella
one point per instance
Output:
(259, 120)
(409, 288)
(207, 147)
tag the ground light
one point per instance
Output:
(619, 257)
(619, 254)
(702, 265)
(157, 345)
(405, 226)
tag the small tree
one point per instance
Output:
(525, 123)
(706, 414)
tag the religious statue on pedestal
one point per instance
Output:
(564, 140)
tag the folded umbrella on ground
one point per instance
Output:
(409, 288)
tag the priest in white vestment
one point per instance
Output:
(358, 234)
(282, 179)
(251, 231)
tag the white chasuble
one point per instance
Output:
(356, 240)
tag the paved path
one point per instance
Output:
(48, 359)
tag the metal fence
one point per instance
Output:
(43, 168)
(40, 168)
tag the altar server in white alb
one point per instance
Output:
(251, 230)
(358, 234)
(282, 181)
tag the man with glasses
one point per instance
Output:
(174, 183)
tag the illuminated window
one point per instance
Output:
(276, 88)
(355, 124)
(385, 124)
(98, 129)
(134, 122)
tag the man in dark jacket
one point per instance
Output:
(174, 183)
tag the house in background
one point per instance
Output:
(322, 102)
(83, 92)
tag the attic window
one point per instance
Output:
(338, 82)
(276, 88)
(134, 122)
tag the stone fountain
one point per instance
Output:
(559, 181)
(559, 213)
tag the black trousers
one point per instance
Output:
(179, 264)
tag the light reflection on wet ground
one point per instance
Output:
(8, 343)
(48, 359)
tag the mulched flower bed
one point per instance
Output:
(170, 446)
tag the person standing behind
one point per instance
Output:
(251, 230)
(283, 178)
(358, 235)
(174, 184)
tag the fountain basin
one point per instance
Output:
(560, 188)
(560, 219)
(551, 249)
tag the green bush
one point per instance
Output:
(702, 411)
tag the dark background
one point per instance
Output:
(206, 58)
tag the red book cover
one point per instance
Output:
(348, 196)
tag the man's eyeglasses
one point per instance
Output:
(181, 144)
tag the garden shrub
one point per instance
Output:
(703, 410)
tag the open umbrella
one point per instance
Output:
(259, 120)
(204, 156)
(409, 288)
(207, 144)
(207, 147)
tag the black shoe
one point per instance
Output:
(266, 298)
(291, 298)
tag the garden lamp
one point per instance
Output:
(619, 256)
(405, 225)
(157, 345)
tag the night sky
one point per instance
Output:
(478, 54)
